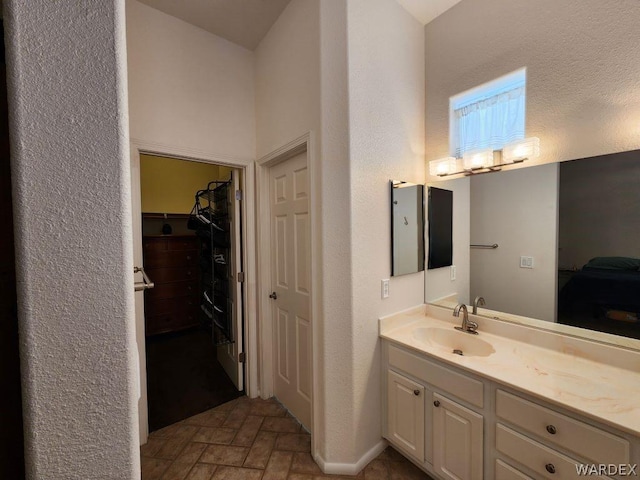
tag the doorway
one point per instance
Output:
(287, 303)
(192, 250)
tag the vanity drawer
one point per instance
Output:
(586, 441)
(456, 384)
(542, 460)
(507, 472)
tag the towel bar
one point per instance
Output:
(146, 282)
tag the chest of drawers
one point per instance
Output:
(172, 263)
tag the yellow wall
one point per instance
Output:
(169, 186)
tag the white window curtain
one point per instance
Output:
(489, 123)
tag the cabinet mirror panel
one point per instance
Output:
(407, 228)
(568, 244)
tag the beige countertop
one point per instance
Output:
(594, 380)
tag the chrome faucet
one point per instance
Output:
(468, 326)
(477, 302)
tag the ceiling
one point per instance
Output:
(246, 22)
(427, 10)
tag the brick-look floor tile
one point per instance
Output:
(153, 468)
(210, 418)
(183, 463)
(278, 466)
(248, 431)
(226, 407)
(297, 442)
(237, 417)
(405, 470)
(280, 424)
(224, 455)
(391, 454)
(152, 446)
(218, 435)
(303, 462)
(233, 473)
(202, 448)
(261, 450)
(267, 408)
(377, 470)
(201, 471)
(171, 448)
(166, 432)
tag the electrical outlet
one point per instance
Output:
(453, 272)
(526, 262)
(385, 288)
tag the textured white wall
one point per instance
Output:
(365, 103)
(70, 168)
(299, 63)
(582, 63)
(386, 127)
(287, 77)
(187, 87)
(518, 210)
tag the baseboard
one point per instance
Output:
(351, 468)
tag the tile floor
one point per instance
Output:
(250, 439)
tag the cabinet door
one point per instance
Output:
(405, 414)
(457, 440)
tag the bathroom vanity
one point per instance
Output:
(512, 402)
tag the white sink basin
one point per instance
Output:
(464, 344)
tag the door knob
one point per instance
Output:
(273, 295)
(436, 403)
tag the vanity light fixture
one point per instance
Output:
(476, 159)
(521, 150)
(443, 166)
(483, 161)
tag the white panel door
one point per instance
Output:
(291, 285)
(457, 440)
(405, 414)
(229, 354)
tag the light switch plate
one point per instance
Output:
(453, 272)
(385, 288)
(526, 262)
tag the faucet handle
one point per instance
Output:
(472, 326)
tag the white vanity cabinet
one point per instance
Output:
(551, 444)
(426, 418)
(458, 425)
(457, 440)
(405, 415)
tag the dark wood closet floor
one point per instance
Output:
(184, 377)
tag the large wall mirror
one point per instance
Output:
(407, 228)
(568, 243)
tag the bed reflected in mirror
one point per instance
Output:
(598, 244)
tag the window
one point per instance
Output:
(488, 116)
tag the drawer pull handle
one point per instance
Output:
(550, 468)
(436, 403)
(551, 429)
(416, 392)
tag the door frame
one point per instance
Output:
(304, 143)
(251, 373)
